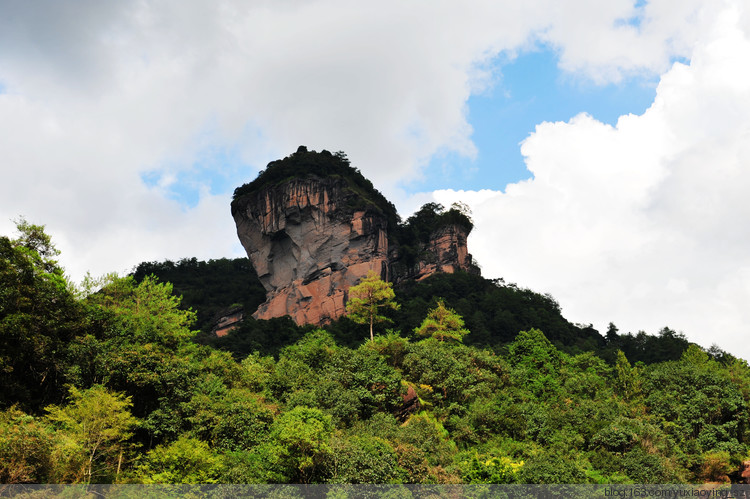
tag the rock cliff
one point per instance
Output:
(312, 226)
(445, 251)
(307, 248)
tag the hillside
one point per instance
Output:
(110, 387)
(493, 310)
(209, 288)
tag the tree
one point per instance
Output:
(367, 298)
(25, 448)
(38, 243)
(302, 442)
(97, 424)
(187, 460)
(443, 323)
(38, 318)
(612, 335)
(628, 379)
(364, 459)
(146, 312)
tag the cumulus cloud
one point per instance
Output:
(96, 97)
(642, 224)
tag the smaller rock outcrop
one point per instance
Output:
(433, 240)
(742, 474)
(446, 251)
(228, 320)
(411, 404)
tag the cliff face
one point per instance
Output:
(307, 247)
(312, 236)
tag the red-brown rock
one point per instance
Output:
(307, 249)
(311, 237)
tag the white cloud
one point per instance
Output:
(98, 94)
(642, 224)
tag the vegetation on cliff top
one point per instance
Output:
(305, 164)
(109, 387)
(323, 164)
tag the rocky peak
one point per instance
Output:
(445, 251)
(312, 226)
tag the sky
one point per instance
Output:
(603, 147)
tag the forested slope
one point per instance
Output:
(494, 311)
(110, 387)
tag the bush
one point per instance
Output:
(484, 468)
(364, 459)
(25, 448)
(188, 460)
(548, 467)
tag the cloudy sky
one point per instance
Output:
(604, 147)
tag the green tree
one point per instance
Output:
(146, 312)
(536, 363)
(38, 243)
(628, 379)
(144, 349)
(443, 323)
(358, 383)
(364, 459)
(98, 424)
(187, 460)
(39, 316)
(302, 439)
(367, 298)
(25, 448)
(228, 418)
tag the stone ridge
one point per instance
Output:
(308, 246)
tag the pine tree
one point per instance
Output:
(443, 323)
(367, 298)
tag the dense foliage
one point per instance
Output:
(209, 288)
(494, 311)
(110, 388)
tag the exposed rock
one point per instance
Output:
(228, 320)
(742, 474)
(307, 248)
(311, 237)
(446, 252)
(410, 405)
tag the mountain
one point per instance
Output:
(312, 226)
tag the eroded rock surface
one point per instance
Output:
(445, 252)
(308, 248)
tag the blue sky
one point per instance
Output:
(528, 90)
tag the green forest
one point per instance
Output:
(467, 380)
